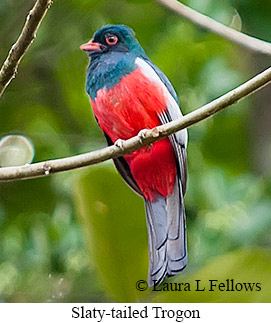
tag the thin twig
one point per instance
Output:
(17, 51)
(205, 22)
(152, 135)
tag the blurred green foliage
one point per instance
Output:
(229, 274)
(81, 236)
(116, 231)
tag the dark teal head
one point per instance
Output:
(113, 38)
(112, 52)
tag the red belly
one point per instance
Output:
(122, 111)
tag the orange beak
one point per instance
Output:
(90, 46)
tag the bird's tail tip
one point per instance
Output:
(155, 279)
(167, 236)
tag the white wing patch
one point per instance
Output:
(172, 105)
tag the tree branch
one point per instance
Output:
(132, 144)
(212, 25)
(17, 51)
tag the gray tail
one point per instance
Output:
(166, 235)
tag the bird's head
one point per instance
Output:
(113, 38)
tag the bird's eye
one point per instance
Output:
(111, 39)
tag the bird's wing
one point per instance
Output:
(173, 112)
(166, 216)
(165, 80)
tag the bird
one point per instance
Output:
(129, 94)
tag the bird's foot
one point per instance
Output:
(119, 144)
(142, 135)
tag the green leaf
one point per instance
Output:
(115, 227)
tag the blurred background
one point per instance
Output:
(81, 236)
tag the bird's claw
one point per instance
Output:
(119, 144)
(142, 134)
